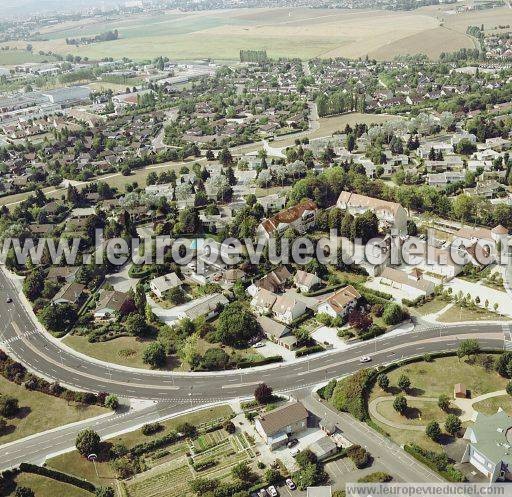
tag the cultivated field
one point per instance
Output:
(301, 32)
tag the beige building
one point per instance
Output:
(390, 214)
(277, 426)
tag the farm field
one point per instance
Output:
(75, 464)
(303, 33)
(21, 56)
(39, 412)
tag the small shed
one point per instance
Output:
(459, 391)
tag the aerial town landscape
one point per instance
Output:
(255, 247)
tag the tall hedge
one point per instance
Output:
(58, 476)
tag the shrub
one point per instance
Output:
(328, 390)
(349, 393)
(151, 428)
(452, 424)
(383, 381)
(377, 477)
(359, 455)
(444, 402)
(433, 431)
(404, 382)
(263, 394)
(8, 406)
(400, 404)
(229, 427)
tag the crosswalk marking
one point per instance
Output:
(507, 332)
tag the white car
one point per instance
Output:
(272, 491)
(290, 484)
(294, 452)
(262, 493)
(258, 345)
(365, 358)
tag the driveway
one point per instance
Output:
(325, 334)
(121, 281)
(270, 349)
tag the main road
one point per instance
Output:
(22, 337)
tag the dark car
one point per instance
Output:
(292, 443)
(8, 300)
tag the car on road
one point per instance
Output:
(290, 484)
(365, 358)
(272, 491)
(292, 443)
(8, 300)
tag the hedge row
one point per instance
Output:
(247, 363)
(58, 476)
(323, 290)
(17, 373)
(309, 350)
(435, 461)
(158, 443)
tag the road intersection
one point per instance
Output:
(172, 393)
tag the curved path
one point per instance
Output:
(372, 406)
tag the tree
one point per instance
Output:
(187, 430)
(242, 472)
(57, 317)
(400, 404)
(236, 325)
(383, 381)
(176, 295)
(404, 382)
(8, 406)
(135, 325)
(263, 394)
(393, 314)
(154, 355)
(229, 427)
(452, 424)
(112, 402)
(24, 492)
(215, 359)
(306, 477)
(34, 284)
(273, 477)
(87, 442)
(433, 431)
(468, 348)
(444, 402)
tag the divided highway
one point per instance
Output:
(49, 358)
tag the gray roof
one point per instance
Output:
(277, 420)
(493, 436)
(205, 305)
(323, 447)
(272, 328)
(319, 492)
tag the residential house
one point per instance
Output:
(306, 281)
(340, 303)
(442, 180)
(113, 304)
(275, 281)
(162, 284)
(272, 202)
(389, 214)
(70, 293)
(489, 442)
(62, 274)
(277, 332)
(278, 425)
(300, 217)
(263, 301)
(207, 307)
(287, 309)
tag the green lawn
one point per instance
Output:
(431, 307)
(15, 57)
(126, 351)
(457, 313)
(46, 487)
(431, 379)
(40, 412)
(491, 406)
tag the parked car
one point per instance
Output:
(294, 452)
(258, 345)
(365, 358)
(292, 443)
(262, 493)
(272, 491)
(290, 484)
(8, 300)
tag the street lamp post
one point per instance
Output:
(93, 458)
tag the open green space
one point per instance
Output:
(491, 406)
(456, 313)
(40, 412)
(46, 487)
